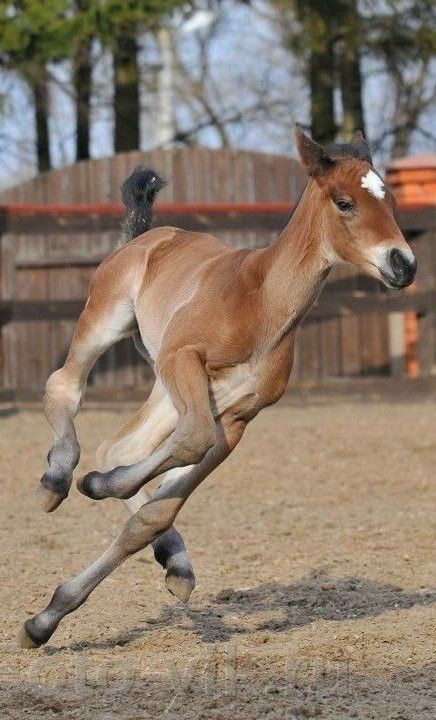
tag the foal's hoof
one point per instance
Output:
(92, 485)
(53, 489)
(25, 641)
(180, 585)
(33, 635)
(48, 499)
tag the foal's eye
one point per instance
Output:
(344, 205)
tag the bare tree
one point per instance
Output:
(403, 40)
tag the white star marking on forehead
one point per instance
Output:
(374, 184)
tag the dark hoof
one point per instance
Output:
(48, 499)
(27, 638)
(92, 485)
(25, 641)
(53, 490)
(180, 582)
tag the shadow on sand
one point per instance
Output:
(318, 597)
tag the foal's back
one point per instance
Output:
(179, 274)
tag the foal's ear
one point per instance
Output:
(359, 142)
(312, 155)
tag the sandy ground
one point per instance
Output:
(314, 553)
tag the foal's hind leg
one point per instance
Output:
(100, 325)
(144, 431)
(154, 518)
(169, 549)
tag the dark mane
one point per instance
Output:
(360, 151)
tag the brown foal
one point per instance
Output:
(218, 325)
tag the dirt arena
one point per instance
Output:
(314, 551)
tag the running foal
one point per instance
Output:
(218, 325)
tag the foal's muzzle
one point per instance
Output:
(400, 269)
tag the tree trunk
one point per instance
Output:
(82, 78)
(321, 75)
(39, 88)
(350, 77)
(126, 95)
(351, 91)
(403, 136)
(165, 129)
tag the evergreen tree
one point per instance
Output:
(32, 34)
(119, 24)
(331, 38)
(35, 34)
(85, 32)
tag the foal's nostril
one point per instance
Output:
(397, 262)
(403, 268)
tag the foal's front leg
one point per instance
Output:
(100, 325)
(147, 429)
(153, 518)
(184, 377)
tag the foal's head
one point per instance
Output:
(356, 210)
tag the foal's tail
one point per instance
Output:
(138, 193)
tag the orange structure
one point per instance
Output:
(413, 181)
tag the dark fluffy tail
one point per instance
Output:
(138, 193)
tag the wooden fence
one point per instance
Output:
(48, 252)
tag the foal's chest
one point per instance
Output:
(233, 386)
(250, 386)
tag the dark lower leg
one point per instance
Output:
(144, 527)
(68, 597)
(182, 449)
(61, 402)
(138, 532)
(170, 552)
(169, 549)
(94, 333)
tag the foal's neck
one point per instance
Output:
(297, 264)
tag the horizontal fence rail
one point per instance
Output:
(331, 305)
(37, 219)
(43, 242)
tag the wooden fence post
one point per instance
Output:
(8, 359)
(2, 347)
